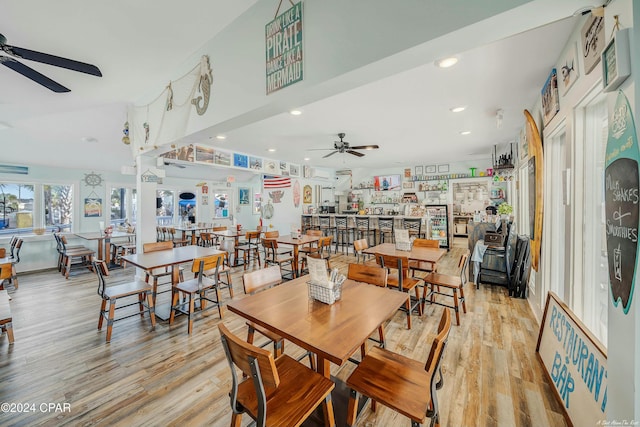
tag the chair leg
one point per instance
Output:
(103, 308)
(192, 309)
(236, 420)
(455, 305)
(112, 312)
(408, 305)
(152, 309)
(174, 303)
(383, 342)
(464, 302)
(352, 410)
(141, 303)
(418, 301)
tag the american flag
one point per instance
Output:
(276, 182)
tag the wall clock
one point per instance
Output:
(92, 179)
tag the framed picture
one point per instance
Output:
(294, 169)
(569, 69)
(407, 184)
(243, 197)
(550, 101)
(204, 154)
(255, 163)
(419, 170)
(407, 173)
(443, 168)
(592, 41)
(240, 160)
(430, 169)
(616, 65)
(222, 158)
(257, 203)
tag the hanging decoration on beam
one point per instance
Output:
(283, 45)
(165, 119)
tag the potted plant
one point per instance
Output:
(505, 210)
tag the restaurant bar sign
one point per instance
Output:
(575, 363)
(284, 49)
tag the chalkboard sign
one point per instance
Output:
(621, 202)
(575, 363)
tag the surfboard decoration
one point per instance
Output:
(621, 202)
(296, 193)
(536, 192)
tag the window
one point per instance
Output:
(123, 205)
(16, 205)
(164, 207)
(58, 205)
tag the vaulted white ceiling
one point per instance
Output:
(139, 45)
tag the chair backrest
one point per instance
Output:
(439, 342)
(314, 233)
(220, 228)
(368, 274)
(400, 263)
(3, 252)
(360, 245)
(254, 362)
(412, 224)
(324, 221)
(426, 243)
(385, 223)
(16, 252)
(270, 248)
(156, 246)
(258, 280)
(462, 267)
(211, 263)
(252, 236)
(5, 271)
(341, 221)
(362, 222)
(324, 244)
(271, 234)
(101, 270)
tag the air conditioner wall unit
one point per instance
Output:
(319, 174)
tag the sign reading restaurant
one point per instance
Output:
(284, 49)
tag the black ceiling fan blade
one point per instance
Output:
(365, 147)
(330, 154)
(355, 153)
(32, 74)
(56, 61)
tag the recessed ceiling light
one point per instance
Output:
(306, 159)
(457, 109)
(221, 137)
(295, 112)
(447, 62)
(89, 139)
(4, 125)
(465, 132)
(271, 150)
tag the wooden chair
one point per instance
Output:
(225, 269)
(400, 383)
(207, 239)
(113, 293)
(312, 247)
(8, 274)
(455, 283)
(400, 279)
(6, 318)
(127, 247)
(79, 256)
(159, 273)
(358, 248)
(323, 252)
(386, 226)
(250, 248)
(414, 225)
(373, 275)
(424, 266)
(177, 241)
(277, 391)
(197, 288)
(282, 250)
(273, 257)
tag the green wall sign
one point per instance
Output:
(283, 45)
(622, 198)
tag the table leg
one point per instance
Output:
(100, 250)
(295, 261)
(324, 369)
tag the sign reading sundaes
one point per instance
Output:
(284, 49)
(622, 203)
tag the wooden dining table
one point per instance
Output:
(168, 258)
(104, 243)
(193, 229)
(332, 332)
(301, 240)
(431, 255)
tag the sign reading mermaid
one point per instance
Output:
(621, 202)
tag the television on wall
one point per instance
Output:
(387, 182)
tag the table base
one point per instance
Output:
(340, 399)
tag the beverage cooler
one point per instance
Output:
(438, 224)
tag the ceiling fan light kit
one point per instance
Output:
(44, 58)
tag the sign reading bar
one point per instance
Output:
(284, 49)
(575, 363)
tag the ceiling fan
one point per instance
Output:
(45, 58)
(344, 147)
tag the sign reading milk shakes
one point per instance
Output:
(284, 49)
(622, 200)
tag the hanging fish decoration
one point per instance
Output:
(206, 79)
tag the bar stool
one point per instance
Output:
(307, 223)
(342, 232)
(324, 225)
(386, 228)
(414, 225)
(363, 229)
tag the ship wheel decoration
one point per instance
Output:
(92, 179)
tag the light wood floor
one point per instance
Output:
(165, 377)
